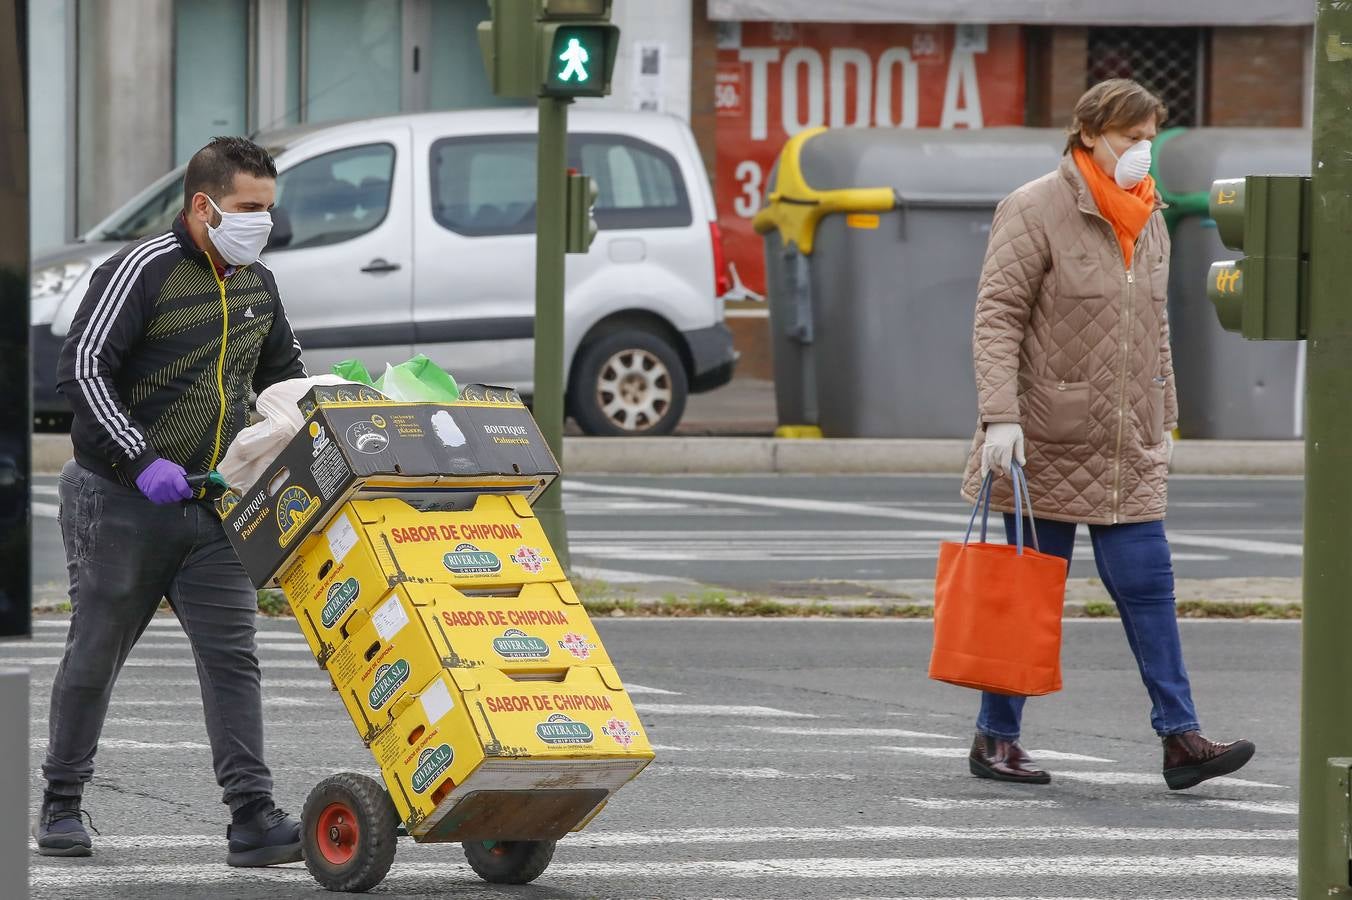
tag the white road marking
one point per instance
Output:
(154, 662)
(945, 803)
(276, 646)
(706, 709)
(621, 576)
(643, 689)
(196, 703)
(837, 868)
(957, 752)
(759, 773)
(1148, 779)
(44, 510)
(835, 507)
(828, 834)
(812, 730)
(1274, 807)
(106, 743)
(46, 490)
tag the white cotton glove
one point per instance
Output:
(1169, 458)
(1004, 441)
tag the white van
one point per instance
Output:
(415, 234)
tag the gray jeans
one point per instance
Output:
(124, 554)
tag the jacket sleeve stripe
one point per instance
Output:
(96, 332)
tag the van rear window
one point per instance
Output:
(485, 185)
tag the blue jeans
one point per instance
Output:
(1134, 563)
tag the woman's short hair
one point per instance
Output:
(1113, 104)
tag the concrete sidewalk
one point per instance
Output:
(843, 456)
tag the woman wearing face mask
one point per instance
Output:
(1075, 383)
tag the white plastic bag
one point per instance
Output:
(254, 448)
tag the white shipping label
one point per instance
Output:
(342, 537)
(436, 701)
(390, 618)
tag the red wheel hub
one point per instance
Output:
(336, 833)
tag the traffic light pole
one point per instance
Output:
(1326, 630)
(551, 200)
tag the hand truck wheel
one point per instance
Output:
(509, 862)
(348, 832)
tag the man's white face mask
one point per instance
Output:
(241, 236)
(1132, 166)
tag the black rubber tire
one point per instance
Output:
(375, 828)
(590, 367)
(509, 862)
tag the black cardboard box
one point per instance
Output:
(434, 456)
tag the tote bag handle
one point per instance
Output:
(1022, 501)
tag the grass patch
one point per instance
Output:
(1236, 609)
(598, 601)
(273, 603)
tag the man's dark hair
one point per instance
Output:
(212, 169)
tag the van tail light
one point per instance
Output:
(722, 280)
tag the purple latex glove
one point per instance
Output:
(164, 481)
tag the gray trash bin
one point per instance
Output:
(1227, 387)
(874, 240)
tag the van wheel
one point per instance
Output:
(628, 383)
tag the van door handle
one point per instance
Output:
(380, 265)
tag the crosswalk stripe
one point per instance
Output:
(1110, 778)
(864, 510)
(817, 731)
(277, 646)
(706, 709)
(834, 834)
(841, 868)
(155, 662)
(959, 752)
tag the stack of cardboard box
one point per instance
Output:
(434, 601)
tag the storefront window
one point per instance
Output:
(353, 59)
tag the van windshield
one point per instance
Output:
(150, 213)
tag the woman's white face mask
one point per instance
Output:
(241, 236)
(1132, 166)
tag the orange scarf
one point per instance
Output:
(1126, 210)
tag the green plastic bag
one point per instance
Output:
(354, 371)
(418, 380)
(415, 381)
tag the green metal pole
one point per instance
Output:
(551, 198)
(1326, 664)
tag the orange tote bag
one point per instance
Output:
(997, 608)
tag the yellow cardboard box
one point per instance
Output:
(421, 628)
(481, 755)
(372, 545)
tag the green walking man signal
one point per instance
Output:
(550, 48)
(576, 59)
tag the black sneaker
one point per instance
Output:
(270, 838)
(60, 829)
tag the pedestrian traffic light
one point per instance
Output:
(580, 226)
(549, 48)
(1262, 296)
(579, 46)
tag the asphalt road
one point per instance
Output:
(797, 759)
(765, 533)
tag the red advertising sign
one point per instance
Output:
(776, 79)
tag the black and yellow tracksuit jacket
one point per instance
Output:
(162, 353)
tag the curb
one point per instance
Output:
(828, 456)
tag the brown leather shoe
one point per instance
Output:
(1003, 760)
(1190, 759)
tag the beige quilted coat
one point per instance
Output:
(1076, 349)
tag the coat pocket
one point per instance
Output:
(1057, 412)
(1154, 417)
